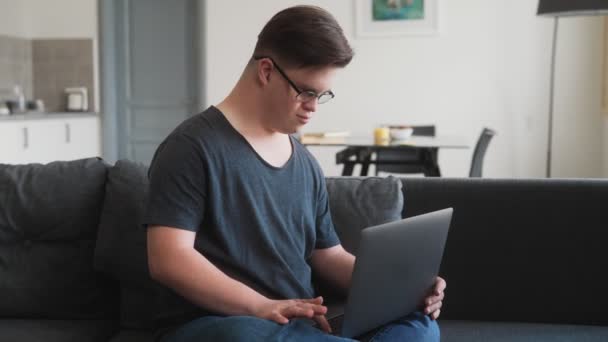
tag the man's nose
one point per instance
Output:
(310, 105)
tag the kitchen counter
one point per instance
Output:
(50, 115)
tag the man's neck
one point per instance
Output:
(246, 114)
(274, 147)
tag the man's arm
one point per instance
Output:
(335, 265)
(174, 262)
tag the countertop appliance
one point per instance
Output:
(4, 110)
(77, 99)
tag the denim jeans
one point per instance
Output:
(415, 327)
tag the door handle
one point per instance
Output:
(68, 133)
(26, 140)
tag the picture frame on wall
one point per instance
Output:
(393, 18)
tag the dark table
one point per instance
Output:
(360, 150)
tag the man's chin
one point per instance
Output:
(286, 131)
(291, 130)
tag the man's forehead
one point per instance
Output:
(317, 79)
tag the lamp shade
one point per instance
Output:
(572, 7)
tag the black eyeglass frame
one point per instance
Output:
(309, 93)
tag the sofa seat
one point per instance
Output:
(473, 331)
(50, 330)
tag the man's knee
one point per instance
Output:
(432, 332)
(423, 327)
(415, 327)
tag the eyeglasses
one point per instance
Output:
(303, 95)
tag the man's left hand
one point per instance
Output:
(433, 302)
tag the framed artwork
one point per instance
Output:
(385, 18)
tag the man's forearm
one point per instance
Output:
(336, 265)
(343, 269)
(194, 277)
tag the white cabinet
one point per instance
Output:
(43, 141)
(82, 138)
(46, 139)
(12, 140)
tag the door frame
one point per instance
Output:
(108, 69)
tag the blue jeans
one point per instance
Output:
(415, 327)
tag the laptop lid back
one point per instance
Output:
(397, 263)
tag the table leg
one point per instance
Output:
(347, 170)
(365, 157)
(432, 163)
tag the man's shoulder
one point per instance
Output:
(200, 129)
(197, 134)
(198, 123)
(304, 152)
(307, 162)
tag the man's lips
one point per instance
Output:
(303, 118)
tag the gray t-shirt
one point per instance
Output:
(256, 222)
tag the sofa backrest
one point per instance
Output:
(48, 225)
(521, 250)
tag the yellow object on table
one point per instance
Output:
(382, 135)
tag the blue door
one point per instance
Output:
(150, 70)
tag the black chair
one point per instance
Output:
(424, 131)
(480, 152)
(402, 160)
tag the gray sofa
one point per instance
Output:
(525, 259)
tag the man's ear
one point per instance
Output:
(264, 69)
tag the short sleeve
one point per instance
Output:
(326, 234)
(177, 191)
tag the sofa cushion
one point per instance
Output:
(358, 203)
(476, 331)
(57, 330)
(122, 253)
(48, 225)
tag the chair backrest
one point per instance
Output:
(425, 131)
(480, 152)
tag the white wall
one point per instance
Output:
(49, 19)
(487, 67)
(61, 18)
(12, 22)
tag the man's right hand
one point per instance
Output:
(281, 311)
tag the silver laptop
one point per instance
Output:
(396, 265)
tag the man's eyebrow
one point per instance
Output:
(308, 88)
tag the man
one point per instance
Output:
(238, 215)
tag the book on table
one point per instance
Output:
(324, 137)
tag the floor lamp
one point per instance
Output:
(556, 9)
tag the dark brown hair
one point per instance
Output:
(304, 36)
